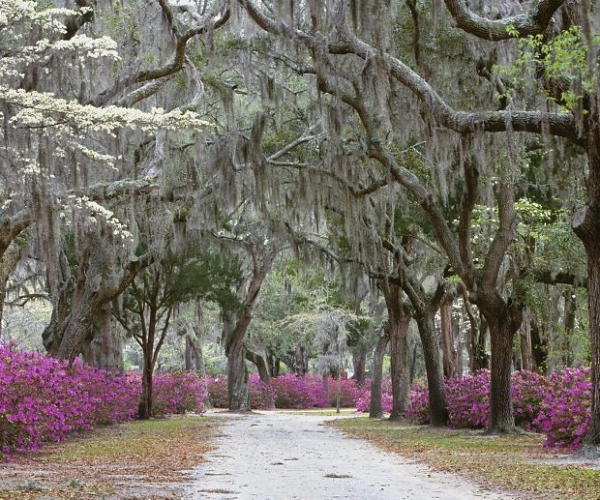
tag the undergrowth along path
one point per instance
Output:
(293, 455)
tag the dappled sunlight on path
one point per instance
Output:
(287, 456)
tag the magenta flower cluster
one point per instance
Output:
(558, 406)
(287, 392)
(173, 393)
(564, 413)
(42, 399)
(363, 402)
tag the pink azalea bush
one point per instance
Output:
(349, 393)
(558, 406)
(295, 392)
(527, 389)
(286, 392)
(418, 407)
(177, 393)
(468, 400)
(261, 394)
(565, 411)
(363, 401)
(42, 399)
(216, 388)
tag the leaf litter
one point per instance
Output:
(144, 460)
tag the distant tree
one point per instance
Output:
(147, 307)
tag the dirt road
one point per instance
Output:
(287, 456)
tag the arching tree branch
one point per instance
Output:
(529, 23)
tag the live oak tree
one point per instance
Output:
(341, 155)
(258, 254)
(340, 34)
(295, 89)
(399, 267)
(61, 137)
(149, 305)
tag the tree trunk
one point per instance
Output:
(448, 347)
(525, 336)
(8, 263)
(237, 381)
(194, 355)
(586, 224)
(148, 351)
(236, 325)
(569, 322)
(300, 363)
(261, 366)
(501, 410)
(504, 321)
(539, 349)
(438, 405)
(106, 347)
(359, 364)
(480, 359)
(78, 327)
(476, 336)
(325, 384)
(375, 408)
(189, 356)
(397, 327)
(82, 298)
(274, 364)
(145, 406)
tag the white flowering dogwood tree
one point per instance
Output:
(72, 172)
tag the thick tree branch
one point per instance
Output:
(505, 234)
(555, 277)
(306, 137)
(529, 23)
(12, 226)
(468, 201)
(118, 189)
(558, 124)
(175, 65)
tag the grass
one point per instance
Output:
(140, 441)
(514, 463)
(141, 459)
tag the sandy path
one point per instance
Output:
(283, 456)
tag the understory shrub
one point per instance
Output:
(565, 411)
(42, 399)
(177, 393)
(286, 392)
(363, 401)
(261, 395)
(216, 388)
(349, 393)
(558, 406)
(418, 407)
(468, 400)
(295, 392)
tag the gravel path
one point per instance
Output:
(286, 456)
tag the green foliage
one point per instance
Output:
(564, 59)
(211, 277)
(357, 329)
